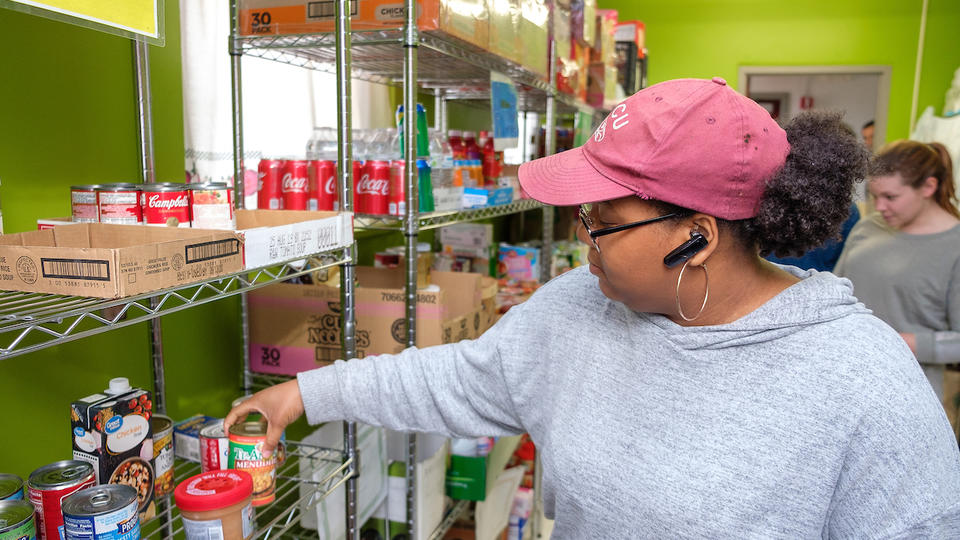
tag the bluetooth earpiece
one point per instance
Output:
(686, 250)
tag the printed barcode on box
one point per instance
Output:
(212, 250)
(86, 269)
(327, 10)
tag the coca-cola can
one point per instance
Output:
(357, 173)
(373, 189)
(211, 206)
(268, 184)
(294, 184)
(397, 205)
(323, 186)
(165, 205)
(83, 203)
(119, 204)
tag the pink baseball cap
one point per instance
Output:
(694, 143)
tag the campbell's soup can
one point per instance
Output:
(119, 204)
(17, 520)
(162, 427)
(246, 454)
(294, 184)
(83, 203)
(165, 205)
(49, 485)
(211, 206)
(373, 189)
(214, 447)
(268, 184)
(11, 487)
(323, 186)
(107, 512)
(397, 204)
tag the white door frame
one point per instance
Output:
(883, 86)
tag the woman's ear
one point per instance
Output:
(707, 226)
(929, 187)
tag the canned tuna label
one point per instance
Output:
(166, 208)
(214, 448)
(102, 513)
(246, 454)
(83, 204)
(211, 206)
(121, 207)
(162, 454)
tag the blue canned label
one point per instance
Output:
(15, 496)
(123, 524)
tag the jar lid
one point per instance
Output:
(213, 490)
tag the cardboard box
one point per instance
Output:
(534, 36)
(294, 328)
(186, 436)
(113, 261)
(44, 224)
(505, 29)
(447, 199)
(273, 236)
(519, 263)
(465, 19)
(467, 235)
(481, 197)
(113, 433)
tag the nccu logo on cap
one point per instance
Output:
(620, 118)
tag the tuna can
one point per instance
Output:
(16, 520)
(246, 454)
(11, 487)
(214, 448)
(107, 512)
(49, 485)
(83, 203)
(162, 454)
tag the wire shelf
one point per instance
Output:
(452, 516)
(34, 321)
(434, 220)
(297, 491)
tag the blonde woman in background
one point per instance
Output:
(904, 259)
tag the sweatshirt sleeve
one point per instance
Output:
(943, 347)
(458, 390)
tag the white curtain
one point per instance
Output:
(281, 103)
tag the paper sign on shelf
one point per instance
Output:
(136, 19)
(503, 106)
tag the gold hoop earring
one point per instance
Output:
(706, 293)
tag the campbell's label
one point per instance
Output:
(370, 186)
(168, 208)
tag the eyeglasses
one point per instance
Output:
(587, 223)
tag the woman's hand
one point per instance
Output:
(280, 406)
(911, 340)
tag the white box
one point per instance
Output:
(273, 236)
(431, 490)
(469, 236)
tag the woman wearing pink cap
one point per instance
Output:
(681, 386)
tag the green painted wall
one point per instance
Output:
(68, 116)
(707, 38)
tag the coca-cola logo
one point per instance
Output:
(294, 184)
(156, 201)
(331, 186)
(370, 186)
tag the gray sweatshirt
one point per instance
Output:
(807, 418)
(912, 282)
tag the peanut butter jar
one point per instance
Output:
(216, 504)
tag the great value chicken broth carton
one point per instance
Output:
(111, 430)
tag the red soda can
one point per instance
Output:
(373, 189)
(268, 180)
(357, 174)
(323, 186)
(294, 184)
(397, 205)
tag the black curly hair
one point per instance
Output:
(808, 199)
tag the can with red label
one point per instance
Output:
(268, 191)
(49, 485)
(214, 447)
(165, 204)
(119, 204)
(323, 185)
(83, 203)
(211, 206)
(294, 184)
(397, 205)
(357, 173)
(373, 189)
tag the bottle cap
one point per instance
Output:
(118, 385)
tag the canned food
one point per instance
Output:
(11, 487)
(372, 188)
(83, 203)
(119, 204)
(246, 454)
(268, 186)
(16, 520)
(165, 205)
(323, 193)
(106, 512)
(397, 205)
(162, 454)
(294, 186)
(214, 448)
(47, 487)
(211, 206)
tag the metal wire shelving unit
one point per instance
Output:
(433, 220)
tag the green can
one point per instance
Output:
(16, 520)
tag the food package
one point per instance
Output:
(583, 20)
(504, 31)
(534, 35)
